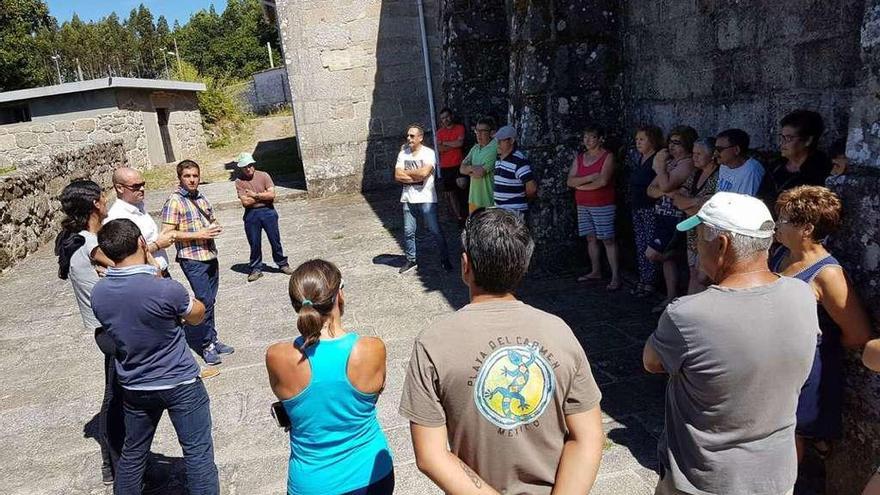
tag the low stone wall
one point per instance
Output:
(29, 209)
(28, 144)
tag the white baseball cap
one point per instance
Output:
(245, 159)
(737, 213)
(506, 132)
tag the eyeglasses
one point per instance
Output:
(412, 135)
(787, 138)
(719, 149)
(676, 142)
(135, 187)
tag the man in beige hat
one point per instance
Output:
(256, 191)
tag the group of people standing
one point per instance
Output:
(500, 395)
(145, 323)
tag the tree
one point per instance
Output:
(22, 62)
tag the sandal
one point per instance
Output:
(589, 278)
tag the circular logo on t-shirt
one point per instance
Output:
(514, 386)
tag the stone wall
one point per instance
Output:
(715, 65)
(357, 79)
(29, 143)
(184, 121)
(29, 209)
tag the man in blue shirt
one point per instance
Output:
(142, 313)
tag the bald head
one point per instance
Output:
(129, 185)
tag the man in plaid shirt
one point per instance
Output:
(189, 214)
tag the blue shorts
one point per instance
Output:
(596, 221)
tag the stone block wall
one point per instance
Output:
(29, 208)
(29, 143)
(184, 121)
(357, 79)
(715, 65)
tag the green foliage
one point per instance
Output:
(22, 60)
(222, 117)
(225, 47)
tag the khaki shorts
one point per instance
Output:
(665, 487)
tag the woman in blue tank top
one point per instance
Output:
(806, 216)
(329, 381)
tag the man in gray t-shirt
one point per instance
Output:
(737, 355)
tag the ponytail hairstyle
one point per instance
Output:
(77, 202)
(314, 288)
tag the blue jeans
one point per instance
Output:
(204, 278)
(257, 220)
(429, 215)
(189, 408)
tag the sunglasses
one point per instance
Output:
(135, 187)
(412, 135)
(787, 138)
(676, 142)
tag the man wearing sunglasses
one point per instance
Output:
(130, 191)
(415, 171)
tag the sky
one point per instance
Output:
(93, 10)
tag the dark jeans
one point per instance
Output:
(428, 213)
(189, 408)
(257, 220)
(385, 486)
(204, 278)
(111, 421)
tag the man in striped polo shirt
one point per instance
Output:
(515, 184)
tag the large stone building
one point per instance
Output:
(551, 67)
(158, 121)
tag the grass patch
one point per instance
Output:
(7, 169)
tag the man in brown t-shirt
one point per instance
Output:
(507, 385)
(256, 191)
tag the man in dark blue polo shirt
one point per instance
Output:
(142, 313)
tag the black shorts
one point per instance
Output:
(666, 237)
(449, 178)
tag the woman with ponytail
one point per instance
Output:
(328, 381)
(79, 259)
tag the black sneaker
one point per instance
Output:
(446, 266)
(409, 265)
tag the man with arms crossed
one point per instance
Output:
(507, 385)
(142, 313)
(415, 171)
(737, 355)
(190, 217)
(479, 165)
(256, 191)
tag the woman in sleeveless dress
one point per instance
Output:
(699, 187)
(328, 380)
(592, 177)
(806, 216)
(648, 141)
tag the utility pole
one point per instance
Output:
(79, 70)
(177, 54)
(56, 57)
(165, 59)
(271, 62)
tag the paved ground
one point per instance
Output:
(50, 378)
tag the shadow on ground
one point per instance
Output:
(280, 158)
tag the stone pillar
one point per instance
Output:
(857, 245)
(564, 74)
(357, 79)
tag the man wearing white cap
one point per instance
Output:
(737, 355)
(515, 183)
(256, 191)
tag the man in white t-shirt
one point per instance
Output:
(415, 170)
(738, 173)
(130, 185)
